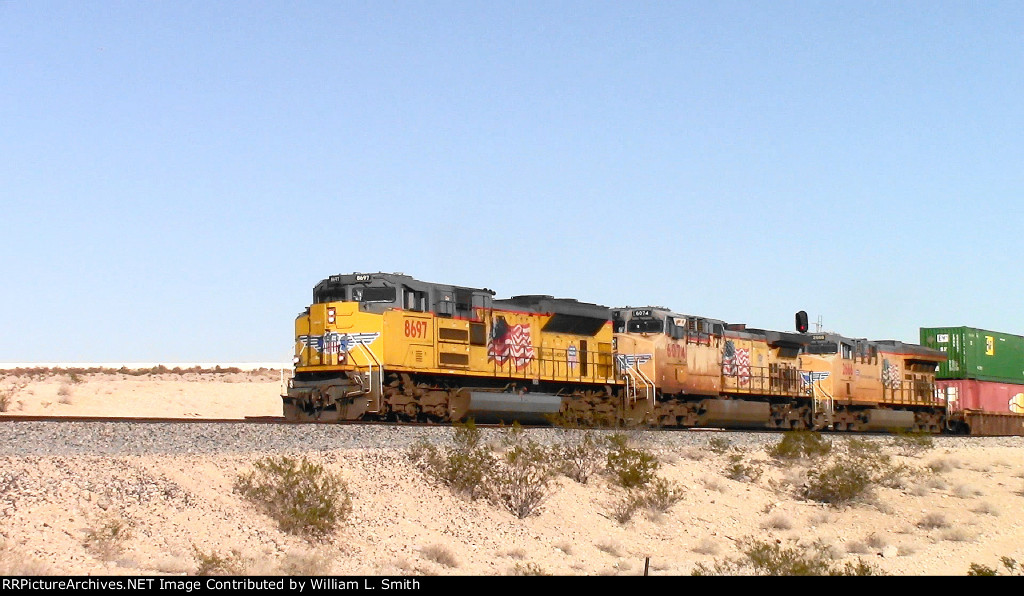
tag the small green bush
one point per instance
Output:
(630, 467)
(9, 393)
(300, 495)
(213, 563)
(771, 558)
(107, 541)
(739, 470)
(624, 510)
(864, 448)
(465, 468)
(1011, 566)
(581, 459)
(796, 444)
(719, 445)
(658, 496)
(912, 444)
(839, 483)
(519, 480)
(530, 569)
(440, 554)
(661, 495)
(522, 483)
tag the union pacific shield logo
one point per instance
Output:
(626, 361)
(813, 377)
(336, 343)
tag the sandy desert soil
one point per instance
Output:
(962, 504)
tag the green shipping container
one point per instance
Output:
(977, 354)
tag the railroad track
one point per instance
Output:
(143, 419)
(246, 420)
(280, 420)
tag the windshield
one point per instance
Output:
(646, 326)
(374, 294)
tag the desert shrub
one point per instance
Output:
(853, 479)
(862, 448)
(719, 445)
(512, 436)
(579, 460)
(771, 558)
(739, 470)
(800, 443)
(987, 508)
(107, 540)
(465, 468)
(214, 563)
(966, 491)
(661, 495)
(519, 480)
(300, 495)
(657, 496)
(912, 444)
(8, 394)
(1011, 566)
(839, 483)
(778, 521)
(932, 521)
(530, 568)
(523, 480)
(982, 570)
(466, 435)
(942, 465)
(305, 564)
(629, 467)
(707, 546)
(623, 510)
(610, 547)
(957, 535)
(897, 475)
(440, 554)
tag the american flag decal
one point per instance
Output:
(890, 375)
(336, 343)
(510, 342)
(736, 363)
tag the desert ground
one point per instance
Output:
(107, 509)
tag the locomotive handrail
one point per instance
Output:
(554, 364)
(634, 372)
(762, 380)
(380, 375)
(829, 399)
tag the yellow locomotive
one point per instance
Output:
(863, 385)
(695, 371)
(388, 346)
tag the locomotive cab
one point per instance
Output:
(677, 353)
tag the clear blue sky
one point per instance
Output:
(176, 176)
